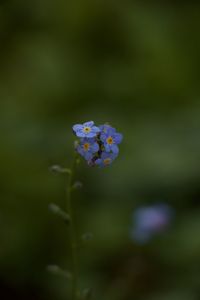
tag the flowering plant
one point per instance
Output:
(98, 145)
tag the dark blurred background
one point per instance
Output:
(131, 63)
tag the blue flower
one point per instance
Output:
(98, 145)
(110, 139)
(149, 221)
(86, 130)
(87, 147)
(105, 159)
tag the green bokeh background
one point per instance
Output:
(136, 65)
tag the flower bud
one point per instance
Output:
(59, 170)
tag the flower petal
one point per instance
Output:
(80, 151)
(94, 147)
(118, 138)
(114, 149)
(80, 134)
(103, 137)
(98, 161)
(88, 124)
(95, 129)
(110, 131)
(107, 147)
(88, 155)
(91, 134)
(77, 127)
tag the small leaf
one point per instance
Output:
(55, 209)
(88, 236)
(66, 274)
(77, 185)
(56, 270)
(53, 269)
(86, 294)
(78, 160)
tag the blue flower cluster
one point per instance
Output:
(98, 145)
(151, 220)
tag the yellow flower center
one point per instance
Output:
(107, 161)
(110, 140)
(87, 129)
(86, 146)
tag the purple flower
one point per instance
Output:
(105, 159)
(110, 139)
(86, 130)
(150, 220)
(87, 147)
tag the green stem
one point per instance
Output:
(73, 238)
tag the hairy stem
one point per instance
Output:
(72, 229)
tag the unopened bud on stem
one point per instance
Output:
(59, 170)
